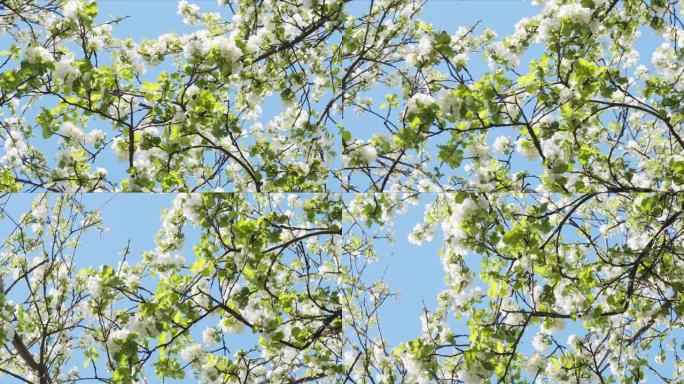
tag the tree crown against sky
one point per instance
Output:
(261, 265)
(550, 160)
(566, 102)
(538, 287)
(281, 287)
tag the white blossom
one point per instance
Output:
(192, 352)
(8, 329)
(526, 148)
(228, 326)
(210, 336)
(38, 54)
(71, 131)
(425, 46)
(94, 285)
(502, 144)
(95, 137)
(190, 12)
(227, 48)
(72, 8)
(65, 69)
(120, 334)
(539, 343)
(418, 101)
(575, 12)
(121, 154)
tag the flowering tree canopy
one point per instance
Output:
(263, 265)
(543, 287)
(580, 114)
(298, 136)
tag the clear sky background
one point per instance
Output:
(415, 271)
